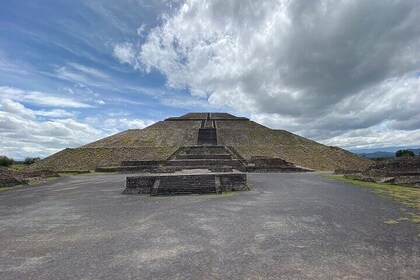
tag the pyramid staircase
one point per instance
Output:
(207, 133)
(212, 157)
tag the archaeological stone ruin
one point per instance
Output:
(217, 147)
(206, 167)
(402, 171)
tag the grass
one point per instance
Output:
(18, 166)
(4, 188)
(406, 195)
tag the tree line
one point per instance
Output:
(6, 161)
(405, 153)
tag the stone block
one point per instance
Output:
(186, 183)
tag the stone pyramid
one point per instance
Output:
(240, 137)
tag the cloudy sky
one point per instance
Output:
(344, 73)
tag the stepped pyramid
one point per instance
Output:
(222, 136)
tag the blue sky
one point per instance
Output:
(75, 71)
(66, 48)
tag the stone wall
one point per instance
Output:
(7, 179)
(182, 183)
(269, 164)
(395, 167)
(405, 171)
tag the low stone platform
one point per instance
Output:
(268, 164)
(401, 171)
(186, 182)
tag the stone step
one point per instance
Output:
(186, 185)
(203, 162)
(203, 156)
(140, 168)
(172, 169)
(181, 191)
(219, 151)
(141, 162)
(205, 148)
(186, 181)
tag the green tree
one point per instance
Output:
(30, 160)
(5, 161)
(404, 153)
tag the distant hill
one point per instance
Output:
(380, 154)
(384, 154)
(416, 151)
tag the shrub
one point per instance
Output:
(404, 153)
(30, 160)
(5, 161)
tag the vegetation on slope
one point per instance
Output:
(91, 158)
(252, 139)
(156, 142)
(160, 134)
(160, 140)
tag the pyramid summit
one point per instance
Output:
(239, 138)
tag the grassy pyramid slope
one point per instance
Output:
(160, 134)
(252, 139)
(156, 142)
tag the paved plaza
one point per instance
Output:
(289, 226)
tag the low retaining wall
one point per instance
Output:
(266, 164)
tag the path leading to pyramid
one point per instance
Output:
(299, 226)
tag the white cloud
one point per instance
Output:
(23, 134)
(56, 113)
(188, 102)
(40, 98)
(125, 123)
(141, 30)
(9, 106)
(81, 74)
(319, 68)
(89, 70)
(375, 136)
(125, 53)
